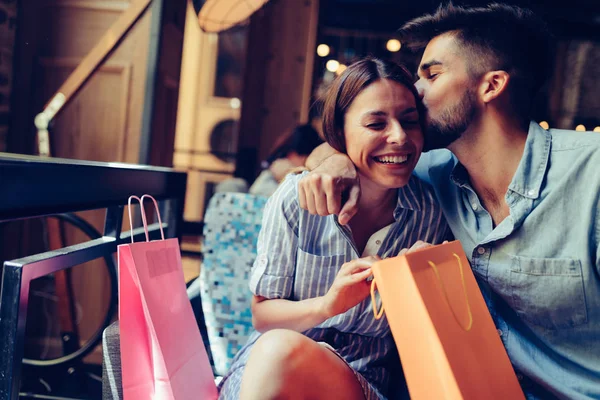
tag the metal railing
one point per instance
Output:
(35, 187)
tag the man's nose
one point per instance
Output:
(420, 88)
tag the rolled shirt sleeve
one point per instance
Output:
(272, 275)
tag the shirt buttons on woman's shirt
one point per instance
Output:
(481, 250)
(475, 206)
(378, 242)
(262, 260)
(499, 332)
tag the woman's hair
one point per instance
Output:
(349, 84)
(302, 139)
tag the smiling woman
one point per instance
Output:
(311, 310)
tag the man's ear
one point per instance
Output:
(493, 84)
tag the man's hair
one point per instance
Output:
(349, 84)
(495, 37)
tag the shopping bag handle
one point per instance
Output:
(464, 285)
(377, 314)
(143, 212)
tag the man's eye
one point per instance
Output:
(411, 122)
(432, 76)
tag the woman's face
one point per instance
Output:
(383, 134)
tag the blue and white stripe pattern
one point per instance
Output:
(299, 255)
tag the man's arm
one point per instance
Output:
(332, 174)
(320, 154)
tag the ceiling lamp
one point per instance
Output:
(219, 15)
(332, 65)
(545, 125)
(393, 45)
(341, 69)
(580, 128)
(323, 50)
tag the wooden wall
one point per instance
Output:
(276, 95)
(126, 112)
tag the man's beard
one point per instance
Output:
(440, 133)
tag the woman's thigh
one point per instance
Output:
(287, 364)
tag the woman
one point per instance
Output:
(289, 152)
(316, 335)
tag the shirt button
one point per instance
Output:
(500, 332)
(378, 242)
(262, 260)
(481, 250)
(520, 377)
(531, 193)
(475, 206)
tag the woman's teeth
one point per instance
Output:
(391, 159)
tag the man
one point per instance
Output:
(523, 201)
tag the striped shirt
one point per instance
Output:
(299, 255)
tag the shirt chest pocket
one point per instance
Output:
(549, 292)
(315, 274)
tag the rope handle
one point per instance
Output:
(379, 313)
(464, 285)
(143, 212)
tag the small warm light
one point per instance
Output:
(332, 65)
(580, 128)
(323, 50)
(597, 129)
(235, 103)
(341, 69)
(545, 125)
(393, 45)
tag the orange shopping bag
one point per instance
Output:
(446, 338)
(162, 352)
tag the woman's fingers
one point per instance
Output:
(361, 275)
(358, 265)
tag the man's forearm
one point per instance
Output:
(319, 155)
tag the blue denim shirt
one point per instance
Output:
(539, 268)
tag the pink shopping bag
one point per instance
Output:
(162, 352)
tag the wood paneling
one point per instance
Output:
(281, 47)
(198, 114)
(92, 135)
(104, 120)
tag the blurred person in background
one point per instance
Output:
(288, 154)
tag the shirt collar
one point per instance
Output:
(531, 171)
(409, 197)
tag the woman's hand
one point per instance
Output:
(349, 288)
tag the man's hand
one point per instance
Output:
(320, 192)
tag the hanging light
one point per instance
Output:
(341, 69)
(323, 50)
(393, 45)
(219, 15)
(545, 125)
(580, 128)
(597, 129)
(332, 65)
